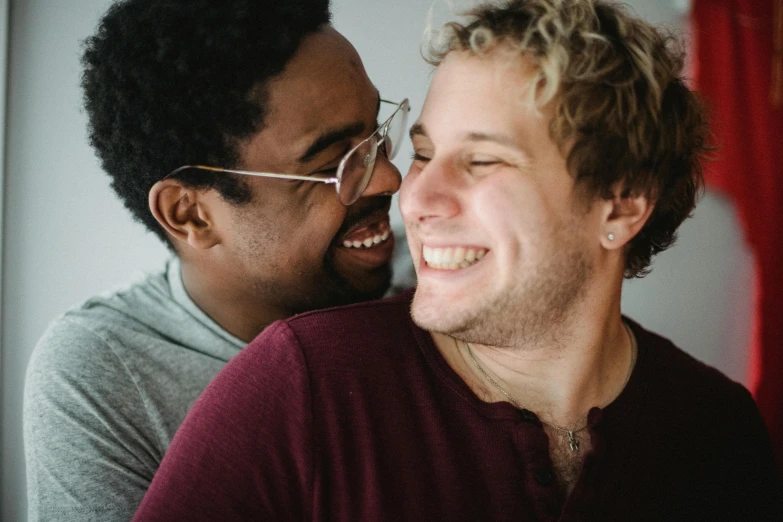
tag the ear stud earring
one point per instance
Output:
(610, 236)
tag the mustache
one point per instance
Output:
(372, 211)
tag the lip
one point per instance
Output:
(372, 257)
(374, 219)
(426, 271)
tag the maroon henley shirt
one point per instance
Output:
(352, 414)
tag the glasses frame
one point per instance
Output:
(336, 180)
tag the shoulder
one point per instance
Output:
(82, 347)
(677, 373)
(106, 320)
(689, 399)
(357, 323)
(706, 425)
(74, 374)
(323, 346)
(347, 333)
(72, 345)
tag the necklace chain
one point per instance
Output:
(573, 442)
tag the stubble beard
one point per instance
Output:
(529, 314)
(315, 289)
(340, 291)
(326, 289)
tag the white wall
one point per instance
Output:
(3, 85)
(67, 237)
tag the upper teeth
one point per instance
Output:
(452, 258)
(370, 241)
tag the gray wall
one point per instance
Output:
(67, 237)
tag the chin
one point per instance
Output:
(366, 287)
(439, 314)
(338, 286)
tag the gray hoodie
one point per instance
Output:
(107, 386)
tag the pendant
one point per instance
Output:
(572, 442)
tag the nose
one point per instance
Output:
(429, 194)
(385, 179)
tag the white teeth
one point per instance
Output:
(368, 242)
(452, 258)
(447, 254)
(459, 255)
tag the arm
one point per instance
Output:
(90, 450)
(245, 450)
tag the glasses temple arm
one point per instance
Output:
(330, 180)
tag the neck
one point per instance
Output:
(589, 366)
(231, 304)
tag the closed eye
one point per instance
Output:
(484, 163)
(329, 169)
(325, 173)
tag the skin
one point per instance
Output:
(542, 307)
(281, 254)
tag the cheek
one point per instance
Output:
(306, 232)
(414, 247)
(404, 203)
(508, 205)
(406, 194)
(318, 227)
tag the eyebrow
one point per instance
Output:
(331, 137)
(417, 129)
(495, 138)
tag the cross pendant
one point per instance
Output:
(572, 442)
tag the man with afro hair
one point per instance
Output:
(225, 128)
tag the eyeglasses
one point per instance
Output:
(355, 169)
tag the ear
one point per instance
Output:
(183, 213)
(624, 216)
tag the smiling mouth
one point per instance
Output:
(452, 258)
(370, 243)
(368, 236)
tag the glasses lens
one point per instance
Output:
(357, 168)
(396, 130)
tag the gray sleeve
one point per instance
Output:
(90, 448)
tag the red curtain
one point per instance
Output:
(738, 48)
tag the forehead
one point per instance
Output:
(323, 87)
(484, 95)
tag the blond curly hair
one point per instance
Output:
(622, 109)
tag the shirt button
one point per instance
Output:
(527, 416)
(545, 477)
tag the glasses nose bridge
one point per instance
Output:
(383, 129)
(384, 179)
(371, 183)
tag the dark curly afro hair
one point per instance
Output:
(175, 82)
